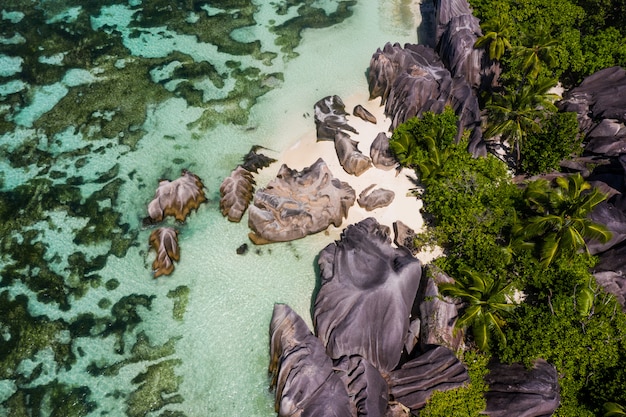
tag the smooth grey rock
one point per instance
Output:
(330, 118)
(517, 391)
(614, 219)
(362, 113)
(353, 161)
(435, 370)
(299, 203)
(381, 154)
(301, 372)
(404, 237)
(236, 193)
(365, 385)
(378, 198)
(438, 315)
(366, 294)
(447, 10)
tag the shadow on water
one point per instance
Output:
(426, 31)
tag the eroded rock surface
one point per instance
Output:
(298, 203)
(362, 113)
(353, 161)
(381, 154)
(435, 370)
(330, 118)
(377, 198)
(236, 193)
(302, 374)
(164, 241)
(365, 385)
(176, 198)
(517, 391)
(253, 161)
(367, 291)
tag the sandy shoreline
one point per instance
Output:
(306, 150)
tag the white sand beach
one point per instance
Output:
(405, 206)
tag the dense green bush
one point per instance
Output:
(558, 139)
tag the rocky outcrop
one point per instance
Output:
(236, 193)
(381, 154)
(517, 391)
(298, 203)
(367, 291)
(176, 198)
(404, 237)
(413, 80)
(164, 241)
(301, 372)
(253, 161)
(435, 370)
(600, 101)
(438, 315)
(362, 113)
(378, 198)
(609, 273)
(365, 385)
(353, 161)
(330, 118)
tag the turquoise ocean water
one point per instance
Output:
(98, 101)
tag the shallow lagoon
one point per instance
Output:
(97, 103)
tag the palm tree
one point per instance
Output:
(496, 37)
(486, 304)
(560, 224)
(538, 49)
(613, 410)
(514, 113)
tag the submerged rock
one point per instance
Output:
(164, 241)
(176, 198)
(378, 198)
(367, 291)
(236, 193)
(330, 118)
(253, 161)
(299, 203)
(353, 161)
(301, 372)
(517, 391)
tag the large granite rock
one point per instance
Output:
(176, 198)
(236, 193)
(298, 203)
(610, 273)
(301, 372)
(517, 391)
(614, 219)
(164, 241)
(353, 161)
(435, 370)
(365, 385)
(381, 154)
(600, 102)
(367, 291)
(330, 118)
(438, 315)
(377, 198)
(413, 80)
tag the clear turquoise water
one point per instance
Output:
(97, 103)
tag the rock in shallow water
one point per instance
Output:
(176, 198)
(330, 118)
(298, 203)
(235, 193)
(164, 241)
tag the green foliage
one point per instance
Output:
(496, 37)
(558, 223)
(486, 304)
(558, 139)
(420, 142)
(467, 401)
(588, 352)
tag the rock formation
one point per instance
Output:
(302, 374)
(350, 157)
(413, 80)
(378, 198)
(330, 118)
(176, 198)
(404, 237)
(435, 370)
(381, 154)
(164, 241)
(362, 113)
(517, 391)
(236, 193)
(253, 160)
(296, 204)
(366, 285)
